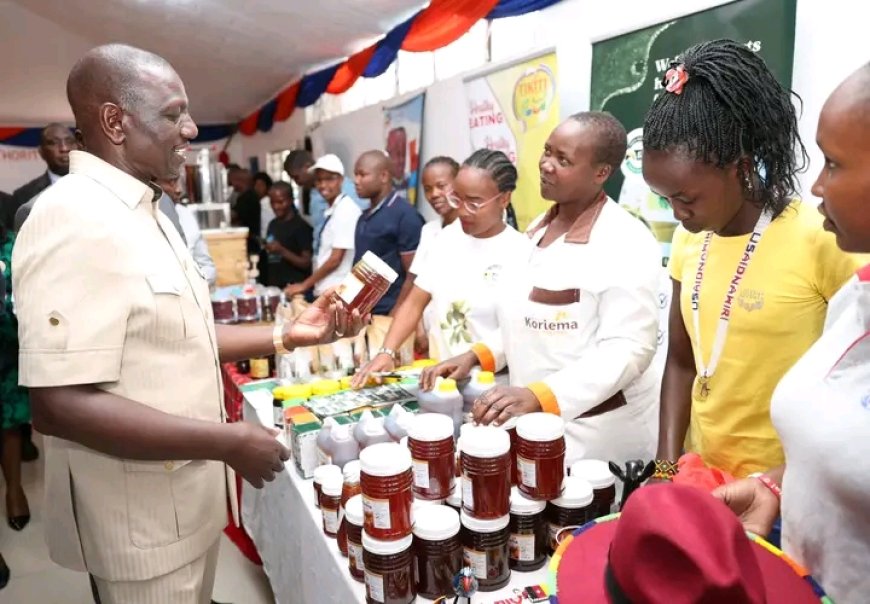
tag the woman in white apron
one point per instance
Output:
(579, 318)
(463, 267)
(821, 408)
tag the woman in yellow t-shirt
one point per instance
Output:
(752, 268)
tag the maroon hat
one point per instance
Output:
(675, 544)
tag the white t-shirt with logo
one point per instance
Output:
(463, 275)
(821, 410)
(338, 232)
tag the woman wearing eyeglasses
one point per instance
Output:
(579, 320)
(464, 265)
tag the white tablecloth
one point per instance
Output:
(304, 566)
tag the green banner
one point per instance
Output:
(627, 72)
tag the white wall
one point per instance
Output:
(830, 42)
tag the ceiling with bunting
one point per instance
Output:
(245, 65)
(232, 55)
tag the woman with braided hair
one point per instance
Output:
(578, 319)
(752, 268)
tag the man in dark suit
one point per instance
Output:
(55, 144)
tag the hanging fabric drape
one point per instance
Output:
(514, 8)
(444, 22)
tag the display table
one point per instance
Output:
(303, 564)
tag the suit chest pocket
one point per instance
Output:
(170, 323)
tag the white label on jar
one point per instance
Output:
(375, 587)
(476, 560)
(278, 416)
(355, 556)
(528, 472)
(421, 474)
(522, 547)
(349, 288)
(379, 511)
(467, 493)
(330, 520)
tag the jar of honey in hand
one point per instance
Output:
(366, 284)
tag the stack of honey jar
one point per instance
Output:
(502, 502)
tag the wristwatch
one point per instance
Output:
(387, 351)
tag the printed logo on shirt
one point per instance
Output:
(492, 273)
(560, 322)
(865, 402)
(751, 299)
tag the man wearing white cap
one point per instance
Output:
(334, 240)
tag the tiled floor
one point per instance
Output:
(37, 580)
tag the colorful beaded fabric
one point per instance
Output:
(556, 560)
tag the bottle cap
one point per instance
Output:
(436, 523)
(386, 548)
(322, 472)
(484, 526)
(385, 459)
(380, 267)
(447, 385)
(351, 471)
(431, 427)
(595, 472)
(342, 433)
(485, 442)
(353, 510)
(332, 484)
(522, 506)
(486, 377)
(540, 427)
(576, 493)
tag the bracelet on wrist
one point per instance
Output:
(665, 468)
(387, 351)
(769, 484)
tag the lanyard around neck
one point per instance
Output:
(706, 371)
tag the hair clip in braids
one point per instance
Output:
(675, 79)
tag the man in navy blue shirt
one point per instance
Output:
(390, 228)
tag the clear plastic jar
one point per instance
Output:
(430, 440)
(386, 479)
(350, 489)
(437, 550)
(486, 466)
(366, 284)
(540, 455)
(598, 474)
(389, 570)
(485, 550)
(529, 537)
(573, 508)
(330, 503)
(320, 474)
(353, 515)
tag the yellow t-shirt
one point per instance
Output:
(778, 314)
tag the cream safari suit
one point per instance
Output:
(109, 295)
